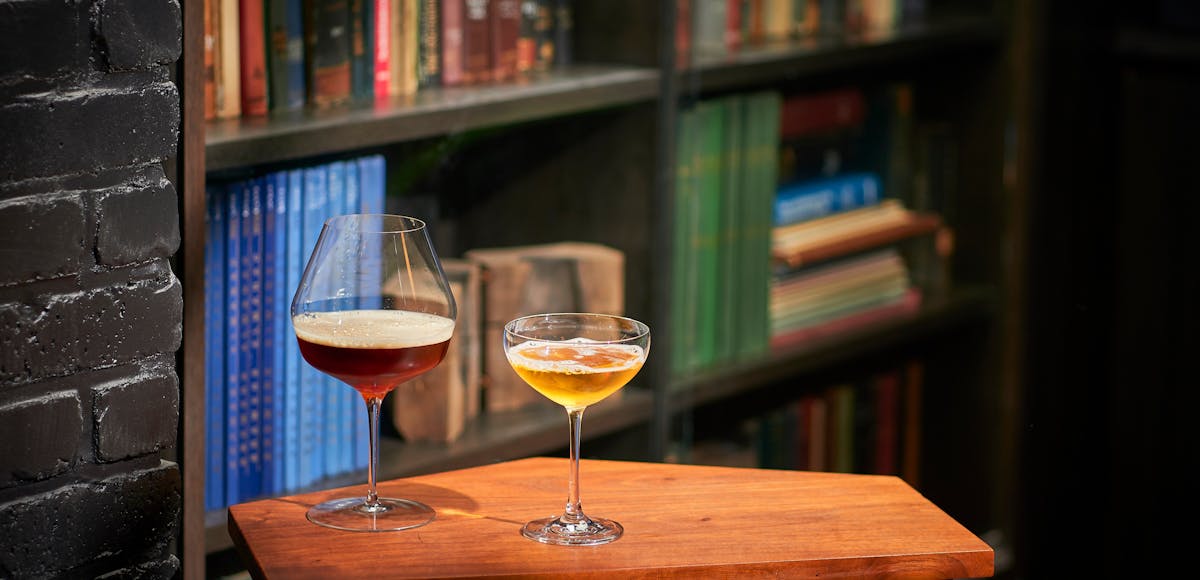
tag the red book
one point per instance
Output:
(821, 112)
(253, 57)
(383, 48)
(477, 41)
(887, 423)
(907, 305)
(506, 29)
(733, 25)
(452, 42)
(683, 34)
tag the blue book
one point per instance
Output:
(232, 344)
(338, 425)
(250, 395)
(214, 350)
(312, 381)
(275, 311)
(816, 198)
(294, 261)
(373, 183)
(285, 54)
(359, 436)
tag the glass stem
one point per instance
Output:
(574, 511)
(373, 406)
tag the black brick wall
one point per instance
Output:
(90, 310)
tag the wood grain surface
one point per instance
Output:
(680, 521)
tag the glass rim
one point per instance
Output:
(417, 224)
(643, 328)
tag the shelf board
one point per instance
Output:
(491, 438)
(739, 378)
(243, 142)
(775, 61)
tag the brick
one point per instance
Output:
(44, 38)
(41, 437)
(136, 417)
(42, 237)
(64, 333)
(139, 33)
(88, 129)
(137, 221)
(126, 520)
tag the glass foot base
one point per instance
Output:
(588, 532)
(353, 515)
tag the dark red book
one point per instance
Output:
(506, 29)
(814, 113)
(253, 52)
(452, 42)
(477, 41)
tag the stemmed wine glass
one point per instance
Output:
(373, 310)
(575, 360)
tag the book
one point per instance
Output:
(778, 19)
(683, 262)
(797, 202)
(477, 41)
(832, 17)
(709, 18)
(250, 418)
(327, 52)
(732, 201)
(403, 60)
(210, 59)
(338, 423)
(293, 361)
(763, 111)
(382, 45)
(564, 32)
(276, 233)
(683, 34)
(733, 25)
(886, 388)
(753, 31)
(429, 45)
(543, 31)
(233, 339)
(252, 47)
(214, 348)
(285, 67)
(527, 37)
(505, 18)
(228, 63)
(822, 112)
(452, 42)
(362, 54)
(312, 382)
(709, 182)
(841, 442)
(907, 305)
(849, 232)
(356, 419)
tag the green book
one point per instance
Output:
(709, 183)
(683, 301)
(732, 197)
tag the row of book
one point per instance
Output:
(273, 423)
(264, 56)
(719, 27)
(724, 190)
(864, 426)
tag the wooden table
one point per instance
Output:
(680, 521)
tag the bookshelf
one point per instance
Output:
(617, 102)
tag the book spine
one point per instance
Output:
(710, 181)
(362, 56)
(358, 434)
(253, 57)
(564, 32)
(210, 59)
(526, 38)
(815, 113)
(327, 34)
(280, 329)
(816, 198)
(228, 69)
(505, 18)
(285, 67)
(270, 395)
(250, 397)
(543, 30)
(382, 41)
(477, 43)
(733, 25)
(294, 362)
(429, 49)
(312, 433)
(214, 351)
(731, 198)
(233, 339)
(452, 42)
(337, 422)
(683, 33)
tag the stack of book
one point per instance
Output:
(264, 56)
(835, 240)
(275, 424)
